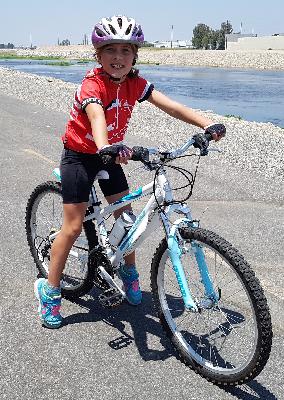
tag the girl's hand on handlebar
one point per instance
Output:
(116, 153)
(124, 154)
(217, 131)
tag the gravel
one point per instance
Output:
(249, 148)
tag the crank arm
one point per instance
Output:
(110, 281)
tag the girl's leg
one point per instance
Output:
(73, 215)
(130, 259)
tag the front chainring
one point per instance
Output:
(98, 258)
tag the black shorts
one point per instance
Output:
(78, 171)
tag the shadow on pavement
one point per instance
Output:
(141, 318)
(251, 391)
(143, 321)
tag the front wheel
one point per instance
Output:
(44, 215)
(227, 342)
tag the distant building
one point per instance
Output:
(172, 44)
(234, 37)
(237, 41)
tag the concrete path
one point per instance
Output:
(120, 353)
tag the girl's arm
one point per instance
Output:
(97, 120)
(177, 110)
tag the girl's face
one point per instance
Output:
(116, 59)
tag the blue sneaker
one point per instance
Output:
(49, 304)
(129, 277)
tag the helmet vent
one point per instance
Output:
(99, 32)
(113, 31)
(128, 29)
(119, 21)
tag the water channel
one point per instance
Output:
(253, 95)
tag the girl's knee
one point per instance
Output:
(72, 231)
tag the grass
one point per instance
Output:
(233, 116)
(16, 57)
(60, 63)
(57, 61)
(84, 60)
(147, 63)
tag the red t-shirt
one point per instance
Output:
(117, 101)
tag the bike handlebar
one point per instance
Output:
(200, 140)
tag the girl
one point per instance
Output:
(99, 118)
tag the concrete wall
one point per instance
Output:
(257, 43)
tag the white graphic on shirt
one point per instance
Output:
(111, 127)
(115, 104)
(128, 106)
(89, 136)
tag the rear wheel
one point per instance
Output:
(44, 215)
(229, 342)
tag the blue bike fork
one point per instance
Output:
(175, 253)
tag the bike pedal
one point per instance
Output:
(110, 298)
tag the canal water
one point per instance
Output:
(250, 94)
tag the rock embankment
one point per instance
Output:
(270, 59)
(250, 146)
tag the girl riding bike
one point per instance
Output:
(98, 122)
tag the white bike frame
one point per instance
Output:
(145, 223)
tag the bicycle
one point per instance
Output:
(207, 297)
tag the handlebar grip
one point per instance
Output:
(208, 136)
(140, 154)
(201, 141)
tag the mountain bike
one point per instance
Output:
(207, 297)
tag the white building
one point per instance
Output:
(253, 42)
(172, 44)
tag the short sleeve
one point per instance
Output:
(89, 92)
(145, 89)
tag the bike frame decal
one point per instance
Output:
(131, 196)
(205, 276)
(127, 242)
(175, 253)
(56, 173)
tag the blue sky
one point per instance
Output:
(46, 21)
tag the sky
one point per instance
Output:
(42, 23)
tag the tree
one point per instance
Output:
(226, 28)
(65, 42)
(200, 37)
(214, 39)
(206, 38)
(147, 44)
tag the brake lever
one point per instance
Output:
(215, 149)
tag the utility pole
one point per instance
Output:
(172, 36)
